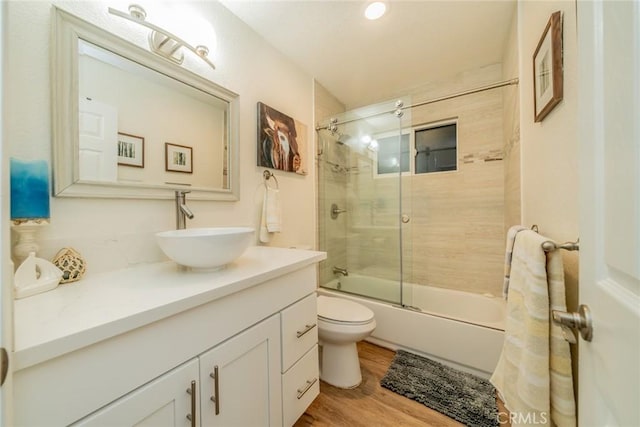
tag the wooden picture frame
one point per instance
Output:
(130, 150)
(178, 158)
(547, 69)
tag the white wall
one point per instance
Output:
(112, 234)
(549, 148)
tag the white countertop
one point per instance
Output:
(98, 307)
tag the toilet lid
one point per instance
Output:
(343, 310)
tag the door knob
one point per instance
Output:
(4, 365)
(575, 321)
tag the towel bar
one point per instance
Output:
(549, 246)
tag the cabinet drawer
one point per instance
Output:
(299, 324)
(300, 385)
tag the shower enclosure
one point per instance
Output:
(361, 203)
(411, 203)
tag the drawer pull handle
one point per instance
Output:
(306, 329)
(192, 416)
(215, 398)
(302, 392)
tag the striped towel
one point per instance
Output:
(511, 238)
(533, 375)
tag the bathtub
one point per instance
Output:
(460, 329)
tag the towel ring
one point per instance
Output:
(268, 174)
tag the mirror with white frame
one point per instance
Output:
(129, 124)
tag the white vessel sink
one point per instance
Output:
(205, 248)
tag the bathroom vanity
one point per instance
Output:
(160, 345)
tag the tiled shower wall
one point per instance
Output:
(374, 241)
(458, 218)
(511, 126)
(455, 236)
(331, 234)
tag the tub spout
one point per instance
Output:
(338, 270)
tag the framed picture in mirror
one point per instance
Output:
(178, 158)
(130, 150)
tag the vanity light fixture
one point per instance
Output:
(375, 10)
(161, 41)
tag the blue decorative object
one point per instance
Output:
(29, 189)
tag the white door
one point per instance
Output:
(6, 266)
(98, 128)
(609, 134)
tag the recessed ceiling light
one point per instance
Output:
(375, 10)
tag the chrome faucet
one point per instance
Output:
(338, 270)
(182, 210)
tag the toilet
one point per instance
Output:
(342, 323)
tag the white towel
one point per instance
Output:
(271, 221)
(274, 213)
(533, 375)
(264, 233)
(511, 238)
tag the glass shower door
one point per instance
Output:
(360, 162)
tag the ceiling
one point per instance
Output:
(361, 61)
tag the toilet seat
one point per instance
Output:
(342, 311)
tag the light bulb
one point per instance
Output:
(185, 23)
(375, 10)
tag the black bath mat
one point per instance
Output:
(459, 395)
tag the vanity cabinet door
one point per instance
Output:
(164, 402)
(240, 379)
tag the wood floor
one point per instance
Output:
(369, 405)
